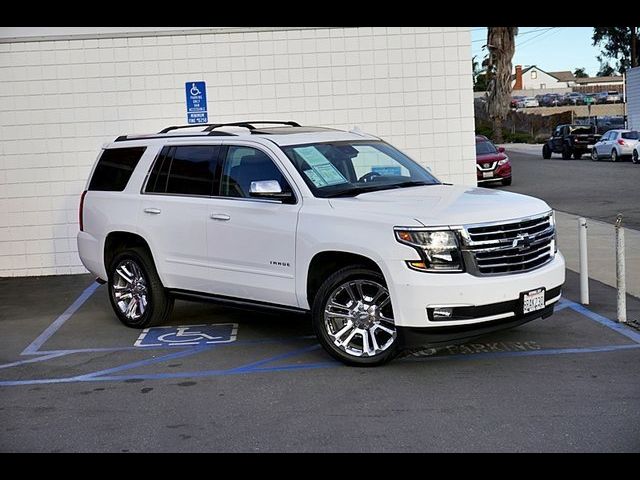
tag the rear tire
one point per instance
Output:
(361, 332)
(577, 155)
(614, 155)
(506, 182)
(137, 295)
(634, 157)
(546, 152)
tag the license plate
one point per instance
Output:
(487, 174)
(533, 301)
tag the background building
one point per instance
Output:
(66, 91)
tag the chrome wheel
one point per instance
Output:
(129, 289)
(594, 155)
(358, 318)
(614, 156)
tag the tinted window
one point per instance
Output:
(582, 129)
(245, 165)
(115, 168)
(188, 170)
(631, 135)
(157, 182)
(485, 148)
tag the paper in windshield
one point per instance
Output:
(324, 172)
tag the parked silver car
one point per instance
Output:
(528, 102)
(615, 144)
(609, 97)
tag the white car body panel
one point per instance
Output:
(263, 251)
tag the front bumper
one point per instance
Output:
(500, 173)
(413, 337)
(413, 293)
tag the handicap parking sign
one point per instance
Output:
(188, 335)
(196, 96)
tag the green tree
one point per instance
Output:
(605, 69)
(479, 75)
(580, 73)
(618, 43)
(501, 42)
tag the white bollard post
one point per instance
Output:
(620, 271)
(584, 261)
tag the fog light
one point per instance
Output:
(442, 313)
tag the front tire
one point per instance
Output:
(566, 153)
(594, 155)
(506, 182)
(577, 155)
(137, 295)
(353, 318)
(546, 152)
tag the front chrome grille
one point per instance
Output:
(511, 247)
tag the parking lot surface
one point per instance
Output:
(72, 378)
(597, 190)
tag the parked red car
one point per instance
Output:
(491, 162)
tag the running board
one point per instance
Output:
(235, 302)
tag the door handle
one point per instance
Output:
(220, 216)
(152, 211)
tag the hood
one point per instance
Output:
(490, 157)
(439, 205)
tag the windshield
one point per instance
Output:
(350, 168)
(485, 148)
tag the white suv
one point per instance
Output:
(306, 219)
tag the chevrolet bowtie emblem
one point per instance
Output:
(521, 242)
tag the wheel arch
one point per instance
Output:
(324, 263)
(119, 240)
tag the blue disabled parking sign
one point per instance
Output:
(196, 102)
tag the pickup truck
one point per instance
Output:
(570, 140)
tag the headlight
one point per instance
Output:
(503, 161)
(439, 250)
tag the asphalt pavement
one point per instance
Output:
(598, 190)
(72, 380)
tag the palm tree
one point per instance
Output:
(501, 44)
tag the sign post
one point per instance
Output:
(196, 95)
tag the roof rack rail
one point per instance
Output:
(212, 126)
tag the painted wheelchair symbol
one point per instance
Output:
(183, 336)
(187, 335)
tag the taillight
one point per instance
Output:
(620, 141)
(80, 222)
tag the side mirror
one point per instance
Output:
(269, 189)
(500, 149)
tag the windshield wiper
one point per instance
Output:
(420, 183)
(353, 192)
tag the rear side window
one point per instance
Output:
(188, 170)
(631, 135)
(114, 168)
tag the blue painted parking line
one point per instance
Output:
(58, 322)
(615, 326)
(199, 338)
(190, 335)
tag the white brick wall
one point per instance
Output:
(61, 100)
